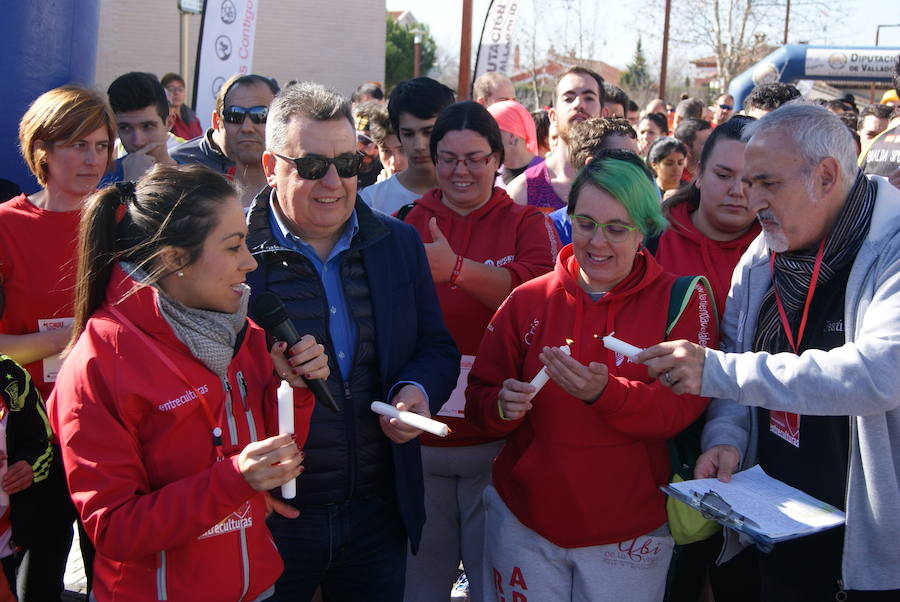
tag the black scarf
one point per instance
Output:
(793, 270)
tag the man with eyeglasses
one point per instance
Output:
(359, 282)
(723, 109)
(235, 142)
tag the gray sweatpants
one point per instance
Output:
(455, 478)
(522, 566)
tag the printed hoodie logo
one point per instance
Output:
(186, 397)
(242, 518)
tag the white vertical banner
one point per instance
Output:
(496, 45)
(225, 48)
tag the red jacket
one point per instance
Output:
(684, 251)
(517, 238)
(168, 520)
(578, 474)
(37, 271)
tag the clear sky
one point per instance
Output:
(616, 30)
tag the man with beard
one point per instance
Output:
(579, 96)
(806, 384)
(235, 142)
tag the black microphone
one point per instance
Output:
(269, 311)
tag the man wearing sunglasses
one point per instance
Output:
(235, 142)
(723, 109)
(359, 282)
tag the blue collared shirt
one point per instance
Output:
(341, 326)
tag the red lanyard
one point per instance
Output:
(809, 295)
(216, 429)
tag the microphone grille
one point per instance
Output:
(268, 310)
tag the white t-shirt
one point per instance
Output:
(388, 196)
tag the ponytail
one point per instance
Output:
(96, 254)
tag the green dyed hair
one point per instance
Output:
(625, 176)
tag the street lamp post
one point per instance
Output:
(417, 52)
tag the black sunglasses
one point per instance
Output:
(314, 167)
(235, 114)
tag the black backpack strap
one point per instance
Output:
(404, 211)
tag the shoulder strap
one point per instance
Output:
(682, 289)
(404, 211)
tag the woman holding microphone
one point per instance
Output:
(162, 403)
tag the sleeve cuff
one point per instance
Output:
(401, 383)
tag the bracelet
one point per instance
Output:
(500, 409)
(454, 276)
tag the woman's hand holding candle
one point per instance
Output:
(584, 382)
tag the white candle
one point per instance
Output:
(412, 419)
(626, 349)
(286, 425)
(542, 377)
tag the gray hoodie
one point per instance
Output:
(860, 379)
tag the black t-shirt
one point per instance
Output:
(883, 156)
(811, 452)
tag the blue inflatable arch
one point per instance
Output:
(833, 63)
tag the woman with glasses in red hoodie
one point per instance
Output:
(480, 246)
(575, 511)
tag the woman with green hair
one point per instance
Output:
(574, 510)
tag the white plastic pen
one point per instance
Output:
(541, 378)
(286, 425)
(412, 419)
(619, 346)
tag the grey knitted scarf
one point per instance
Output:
(210, 335)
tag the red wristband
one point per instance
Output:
(454, 276)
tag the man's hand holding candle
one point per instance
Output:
(584, 382)
(676, 364)
(411, 399)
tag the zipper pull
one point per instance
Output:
(347, 393)
(242, 386)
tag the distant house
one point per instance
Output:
(544, 75)
(706, 71)
(403, 17)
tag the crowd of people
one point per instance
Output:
(460, 260)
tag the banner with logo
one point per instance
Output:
(225, 48)
(496, 46)
(841, 62)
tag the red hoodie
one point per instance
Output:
(684, 251)
(501, 233)
(579, 474)
(169, 521)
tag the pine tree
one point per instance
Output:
(636, 77)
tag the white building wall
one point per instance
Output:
(339, 43)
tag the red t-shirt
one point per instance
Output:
(37, 265)
(501, 233)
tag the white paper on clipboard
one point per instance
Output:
(455, 406)
(53, 363)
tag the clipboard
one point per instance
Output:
(714, 507)
(753, 503)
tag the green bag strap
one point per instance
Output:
(682, 290)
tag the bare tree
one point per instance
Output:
(741, 32)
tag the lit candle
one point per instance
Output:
(626, 349)
(286, 425)
(411, 418)
(542, 377)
